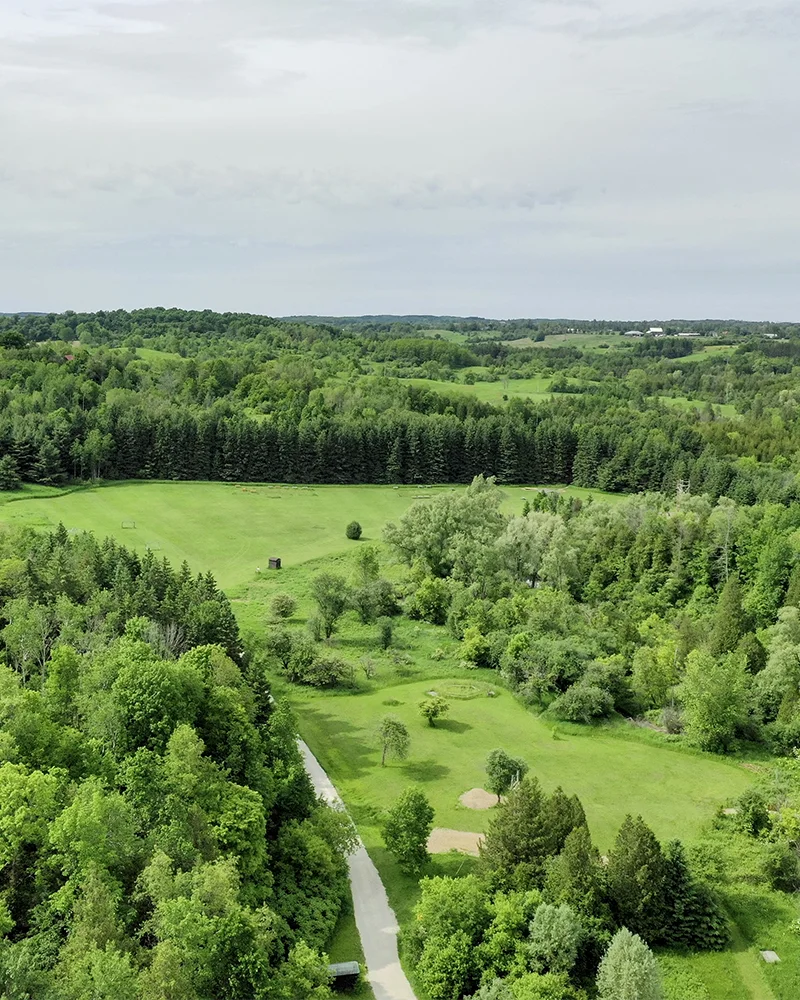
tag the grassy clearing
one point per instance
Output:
(584, 341)
(682, 403)
(492, 392)
(711, 351)
(673, 791)
(229, 529)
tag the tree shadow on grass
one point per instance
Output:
(453, 726)
(425, 770)
(338, 733)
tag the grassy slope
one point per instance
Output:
(229, 529)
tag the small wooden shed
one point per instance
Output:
(344, 975)
(274, 564)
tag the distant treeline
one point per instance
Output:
(231, 397)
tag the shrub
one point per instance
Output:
(753, 816)
(781, 867)
(316, 627)
(672, 720)
(283, 606)
(583, 703)
(327, 672)
(385, 632)
(475, 647)
(353, 531)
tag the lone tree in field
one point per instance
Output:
(628, 970)
(329, 590)
(502, 771)
(393, 739)
(433, 709)
(407, 829)
(353, 531)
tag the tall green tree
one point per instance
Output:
(714, 693)
(407, 829)
(502, 771)
(393, 739)
(628, 970)
(730, 620)
(329, 590)
(637, 880)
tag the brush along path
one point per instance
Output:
(375, 920)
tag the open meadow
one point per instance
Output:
(673, 791)
(230, 529)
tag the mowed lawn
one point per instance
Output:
(675, 792)
(230, 529)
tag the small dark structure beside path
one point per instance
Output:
(344, 975)
(274, 564)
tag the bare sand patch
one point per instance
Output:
(442, 840)
(478, 798)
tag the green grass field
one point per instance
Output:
(674, 791)
(492, 392)
(682, 403)
(584, 341)
(229, 529)
(710, 351)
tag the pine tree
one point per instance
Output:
(576, 877)
(730, 620)
(636, 880)
(695, 919)
(9, 474)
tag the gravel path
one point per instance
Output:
(375, 920)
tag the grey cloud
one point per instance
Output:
(191, 182)
(732, 21)
(517, 157)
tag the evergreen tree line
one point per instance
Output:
(56, 587)
(255, 400)
(606, 449)
(544, 906)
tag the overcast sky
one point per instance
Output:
(608, 158)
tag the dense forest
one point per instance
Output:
(244, 398)
(159, 837)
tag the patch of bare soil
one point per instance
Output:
(442, 840)
(478, 798)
